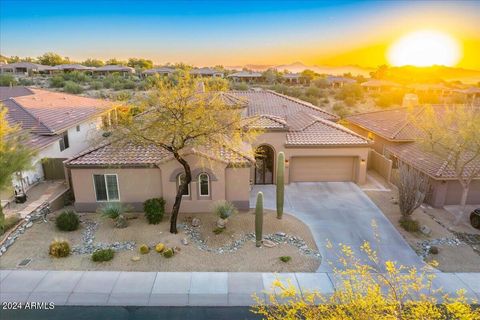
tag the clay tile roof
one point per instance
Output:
(110, 155)
(267, 122)
(114, 68)
(24, 64)
(427, 162)
(159, 70)
(323, 133)
(11, 92)
(71, 67)
(59, 111)
(266, 102)
(245, 74)
(391, 124)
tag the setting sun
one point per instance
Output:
(425, 48)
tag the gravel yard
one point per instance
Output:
(454, 254)
(210, 252)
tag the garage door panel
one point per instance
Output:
(311, 169)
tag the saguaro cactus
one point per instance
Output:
(280, 184)
(259, 219)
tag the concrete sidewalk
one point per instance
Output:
(108, 288)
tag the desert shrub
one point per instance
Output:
(353, 91)
(224, 209)
(154, 210)
(350, 101)
(118, 86)
(218, 230)
(321, 83)
(57, 82)
(59, 248)
(7, 80)
(8, 222)
(144, 249)
(409, 224)
(67, 221)
(168, 253)
(285, 258)
(96, 85)
(112, 210)
(159, 247)
(326, 100)
(123, 96)
(72, 87)
(103, 255)
(313, 100)
(340, 109)
(360, 293)
(25, 82)
(129, 84)
(241, 86)
(313, 91)
(216, 84)
(388, 99)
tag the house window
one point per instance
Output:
(78, 128)
(203, 184)
(106, 187)
(64, 144)
(180, 180)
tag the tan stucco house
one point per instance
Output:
(316, 149)
(394, 136)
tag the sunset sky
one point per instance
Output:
(234, 33)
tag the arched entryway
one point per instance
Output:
(264, 164)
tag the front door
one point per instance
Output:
(264, 164)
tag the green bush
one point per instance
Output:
(7, 80)
(112, 210)
(144, 249)
(96, 85)
(285, 258)
(67, 221)
(7, 222)
(218, 230)
(409, 224)
(168, 253)
(154, 210)
(103, 255)
(241, 86)
(224, 209)
(59, 248)
(129, 84)
(72, 87)
(57, 82)
(25, 82)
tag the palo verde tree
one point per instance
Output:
(180, 117)
(452, 135)
(14, 155)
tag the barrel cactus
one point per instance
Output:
(280, 184)
(259, 219)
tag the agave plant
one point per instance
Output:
(114, 210)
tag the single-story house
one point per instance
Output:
(316, 149)
(113, 68)
(23, 68)
(58, 126)
(380, 85)
(69, 68)
(394, 136)
(206, 72)
(292, 77)
(337, 81)
(246, 76)
(163, 71)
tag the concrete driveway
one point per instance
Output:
(341, 213)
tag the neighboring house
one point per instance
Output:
(316, 149)
(206, 72)
(69, 68)
(23, 68)
(246, 76)
(380, 85)
(58, 126)
(336, 81)
(394, 136)
(163, 71)
(113, 68)
(292, 77)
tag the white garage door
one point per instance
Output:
(322, 169)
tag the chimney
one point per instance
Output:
(200, 87)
